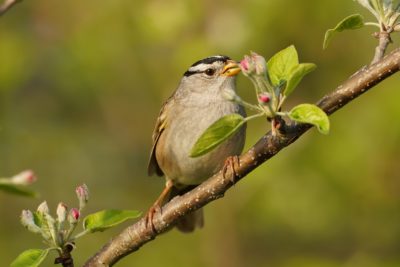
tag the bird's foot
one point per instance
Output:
(156, 207)
(150, 216)
(232, 163)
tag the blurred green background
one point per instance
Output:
(81, 84)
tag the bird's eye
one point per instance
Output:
(210, 72)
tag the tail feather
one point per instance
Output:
(191, 221)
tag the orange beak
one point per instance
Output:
(231, 68)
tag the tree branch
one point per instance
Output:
(7, 4)
(384, 41)
(135, 236)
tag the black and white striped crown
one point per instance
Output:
(203, 64)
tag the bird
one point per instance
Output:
(196, 104)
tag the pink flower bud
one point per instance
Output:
(82, 193)
(73, 215)
(61, 212)
(24, 178)
(253, 64)
(264, 98)
(260, 64)
(244, 64)
(247, 65)
(43, 208)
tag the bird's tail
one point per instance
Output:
(191, 221)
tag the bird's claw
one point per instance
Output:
(150, 216)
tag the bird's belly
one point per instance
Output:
(184, 132)
(197, 170)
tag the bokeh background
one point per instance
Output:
(81, 84)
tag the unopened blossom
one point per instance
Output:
(264, 98)
(259, 63)
(24, 178)
(247, 66)
(82, 192)
(43, 208)
(73, 216)
(28, 220)
(61, 212)
(253, 64)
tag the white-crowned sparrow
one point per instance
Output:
(196, 104)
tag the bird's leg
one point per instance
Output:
(232, 162)
(157, 205)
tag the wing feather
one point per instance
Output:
(161, 123)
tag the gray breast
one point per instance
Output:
(186, 125)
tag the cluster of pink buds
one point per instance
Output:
(53, 230)
(255, 67)
(253, 64)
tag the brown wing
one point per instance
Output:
(161, 123)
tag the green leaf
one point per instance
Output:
(297, 74)
(105, 219)
(218, 132)
(308, 113)
(39, 219)
(281, 64)
(17, 190)
(351, 22)
(30, 258)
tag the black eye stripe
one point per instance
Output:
(189, 73)
(206, 61)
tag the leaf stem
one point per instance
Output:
(78, 235)
(254, 116)
(70, 231)
(282, 114)
(248, 105)
(372, 24)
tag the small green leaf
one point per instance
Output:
(297, 74)
(308, 113)
(281, 64)
(17, 190)
(351, 22)
(105, 219)
(218, 132)
(39, 219)
(30, 258)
